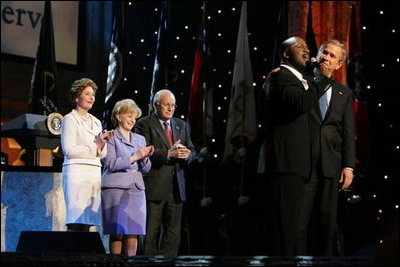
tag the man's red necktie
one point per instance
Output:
(168, 134)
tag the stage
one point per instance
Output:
(80, 259)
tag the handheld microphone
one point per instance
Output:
(314, 62)
(310, 65)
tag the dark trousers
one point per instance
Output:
(163, 227)
(317, 222)
(284, 201)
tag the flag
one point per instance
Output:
(241, 127)
(200, 109)
(115, 66)
(163, 73)
(42, 93)
(115, 90)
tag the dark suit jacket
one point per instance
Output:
(289, 138)
(159, 181)
(334, 138)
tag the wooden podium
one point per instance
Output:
(32, 134)
(40, 157)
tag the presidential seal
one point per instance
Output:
(53, 123)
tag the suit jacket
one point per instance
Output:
(77, 140)
(118, 171)
(334, 137)
(289, 138)
(159, 181)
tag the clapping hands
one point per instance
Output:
(179, 151)
(142, 154)
(103, 137)
(145, 151)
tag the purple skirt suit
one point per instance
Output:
(123, 198)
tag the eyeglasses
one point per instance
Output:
(167, 105)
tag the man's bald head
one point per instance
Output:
(294, 52)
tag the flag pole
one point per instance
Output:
(242, 146)
(204, 88)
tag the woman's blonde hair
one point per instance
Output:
(122, 107)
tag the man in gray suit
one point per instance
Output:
(165, 183)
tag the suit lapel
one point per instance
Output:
(123, 140)
(336, 102)
(334, 105)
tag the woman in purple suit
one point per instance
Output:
(123, 195)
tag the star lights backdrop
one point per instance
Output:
(380, 179)
(362, 219)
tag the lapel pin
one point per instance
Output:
(340, 93)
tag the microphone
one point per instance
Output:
(44, 105)
(52, 106)
(311, 64)
(314, 62)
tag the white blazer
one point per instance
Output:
(77, 140)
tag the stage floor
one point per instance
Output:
(79, 259)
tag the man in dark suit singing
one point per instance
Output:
(292, 96)
(333, 160)
(165, 183)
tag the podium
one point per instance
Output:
(32, 134)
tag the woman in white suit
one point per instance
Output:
(84, 144)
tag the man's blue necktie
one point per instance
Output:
(323, 104)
